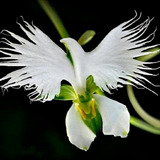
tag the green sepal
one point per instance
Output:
(86, 37)
(91, 86)
(66, 93)
(94, 123)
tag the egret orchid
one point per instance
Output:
(111, 65)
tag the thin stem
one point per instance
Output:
(52, 14)
(143, 125)
(147, 117)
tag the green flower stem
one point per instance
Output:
(143, 125)
(52, 14)
(148, 118)
(153, 124)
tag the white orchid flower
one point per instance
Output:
(44, 65)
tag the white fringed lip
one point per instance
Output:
(44, 64)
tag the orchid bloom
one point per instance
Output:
(112, 64)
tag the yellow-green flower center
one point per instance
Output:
(86, 109)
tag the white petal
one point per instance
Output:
(44, 64)
(115, 116)
(78, 133)
(113, 61)
(78, 56)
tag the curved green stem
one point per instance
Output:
(147, 117)
(52, 14)
(153, 124)
(143, 125)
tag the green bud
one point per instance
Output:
(86, 37)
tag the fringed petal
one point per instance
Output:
(114, 59)
(43, 64)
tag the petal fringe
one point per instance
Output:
(43, 65)
(113, 61)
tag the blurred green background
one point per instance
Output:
(37, 130)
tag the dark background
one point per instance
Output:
(37, 130)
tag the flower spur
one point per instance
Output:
(109, 66)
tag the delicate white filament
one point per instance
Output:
(43, 64)
(114, 62)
